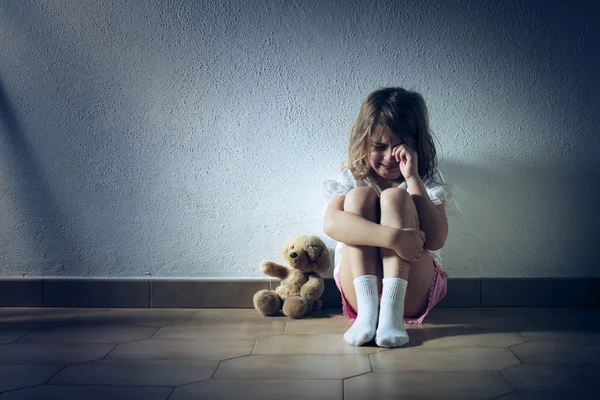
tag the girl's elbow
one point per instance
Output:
(328, 226)
(436, 241)
(435, 245)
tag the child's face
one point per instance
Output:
(381, 158)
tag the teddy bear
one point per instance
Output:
(301, 283)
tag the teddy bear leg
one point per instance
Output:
(317, 305)
(267, 302)
(295, 307)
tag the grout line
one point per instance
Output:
(21, 337)
(172, 391)
(506, 379)
(515, 354)
(56, 373)
(503, 395)
(110, 351)
(216, 369)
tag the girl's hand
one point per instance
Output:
(409, 244)
(407, 159)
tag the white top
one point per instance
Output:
(438, 190)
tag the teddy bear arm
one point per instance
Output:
(273, 269)
(313, 288)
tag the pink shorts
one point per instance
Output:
(437, 291)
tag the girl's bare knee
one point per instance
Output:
(361, 200)
(395, 197)
(398, 209)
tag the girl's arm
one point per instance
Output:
(432, 218)
(352, 229)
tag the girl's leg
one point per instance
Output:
(360, 271)
(400, 298)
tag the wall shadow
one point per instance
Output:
(48, 225)
(539, 212)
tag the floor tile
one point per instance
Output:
(249, 330)
(468, 350)
(10, 335)
(463, 337)
(332, 324)
(52, 353)
(137, 316)
(205, 349)
(20, 376)
(259, 389)
(444, 359)
(89, 334)
(326, 343)
(35, 318)
(136, 373)
(550, 396)
(553, 377)
(293, 367)
(426, 385)
(59, 392)
(557, 353)
(233, 314)
(45, 312)
(562, 336)
(503, 318)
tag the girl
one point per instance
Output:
(388, 213)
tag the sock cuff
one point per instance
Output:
(395, 281)
(365, 278)
(394, 288)
(366, 286)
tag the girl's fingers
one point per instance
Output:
(397, 154)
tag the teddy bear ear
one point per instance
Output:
(322, 255)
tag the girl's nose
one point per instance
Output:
(388, 155)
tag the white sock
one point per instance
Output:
(363, 329)
(391, 332)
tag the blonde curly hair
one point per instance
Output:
(405, 113)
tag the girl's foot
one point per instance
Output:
(391, 337)
(363, 329)
(391, 332)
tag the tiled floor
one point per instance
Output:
(468, 353)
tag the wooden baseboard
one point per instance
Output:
(237, 293)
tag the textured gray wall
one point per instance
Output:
(191, 138)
